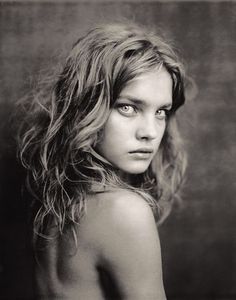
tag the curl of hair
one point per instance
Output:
(65, 117)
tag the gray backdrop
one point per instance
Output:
(199, 239)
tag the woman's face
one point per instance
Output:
(135, 127)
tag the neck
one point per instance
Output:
(131, 179)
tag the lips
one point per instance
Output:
(141, 154)
(142, 150)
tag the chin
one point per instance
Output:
(136, 169)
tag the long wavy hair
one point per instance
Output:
(64, 121)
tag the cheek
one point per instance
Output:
(161, 131)
(115, 130)
(111, 139)
(162, 138)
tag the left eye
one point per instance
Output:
(161, 113)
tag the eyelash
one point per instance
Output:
(122, 105)
(166, 111)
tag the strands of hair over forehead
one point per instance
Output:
(63, 124)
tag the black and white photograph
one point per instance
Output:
(117, 150)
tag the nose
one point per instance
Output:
(147, 129)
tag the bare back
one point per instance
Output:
(111, 261)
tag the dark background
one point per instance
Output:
(199, 238)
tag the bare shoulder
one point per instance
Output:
(120, 216)
(129, 204)
(123, 209)
(120, 228)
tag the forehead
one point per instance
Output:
(151, 87)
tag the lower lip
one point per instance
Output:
(141, 155)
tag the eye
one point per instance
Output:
(126, 109)
(162, 114)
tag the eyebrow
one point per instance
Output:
(137, 101)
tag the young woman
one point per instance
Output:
(104, 162)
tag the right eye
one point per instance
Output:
(126, 109)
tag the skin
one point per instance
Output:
(118, 255)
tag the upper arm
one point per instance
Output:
(128, 243)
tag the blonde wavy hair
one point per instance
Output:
(64, 120)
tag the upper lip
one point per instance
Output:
(144, 150)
